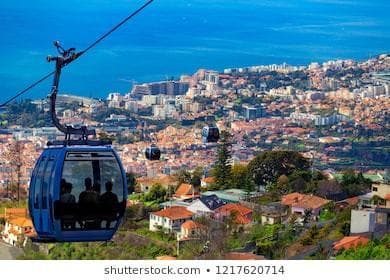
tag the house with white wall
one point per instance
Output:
(169, 219)
(16, 231)
(205, 205)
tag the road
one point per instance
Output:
(8, 252)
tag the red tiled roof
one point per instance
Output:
(21, 222)
(174, 213)
(242, 211)
(185, 190)
(15, 212)
(387, 197)
(353, 200)
(243, 220)
(304, 200)
(291, 198)
(350, 242)
(208, 180)
(191, 225)
(227, 208)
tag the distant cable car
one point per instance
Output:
(78, 188)
(152, 152)
(210, 134)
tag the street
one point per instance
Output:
(8, 252)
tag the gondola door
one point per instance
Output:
(41, 194)
(46, 196)
(35, 196)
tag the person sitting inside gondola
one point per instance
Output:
(88, 203)
(67, 196)
(109, 205)
(68, 202)
(62, 186)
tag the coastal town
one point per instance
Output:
(301, 170)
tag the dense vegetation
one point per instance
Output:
(283, 172)
(24, 114)
(374, 250)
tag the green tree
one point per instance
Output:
(183, 176)
(240, 178)
(353, 184)
(156, 193)
(196, 176)
(193, 178)
(270, 165)
(269, 240)
(131, 182)
(374, 250)
(222, 169)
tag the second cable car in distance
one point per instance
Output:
(153, 153)
(210, 134)
(78, 188)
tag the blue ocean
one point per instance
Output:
(174, 37)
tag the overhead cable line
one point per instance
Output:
(101, 38)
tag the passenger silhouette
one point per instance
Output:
(67, 197)
(88, 202)
(89, 195)
(109, 204)
(68, 204)
(62, 186)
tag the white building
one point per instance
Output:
(16, 229)
(362, 221)
(205, 205)
(169, 219)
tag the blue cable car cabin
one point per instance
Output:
(77, 193)
(210, 134)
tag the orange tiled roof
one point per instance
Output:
(304, 200)
(352, 200)
(184, 189)
(291, 198)
(208, 180)
(242, 211)
(228, 208)
(15, 212)
(21, 222)
(387, 197)
(243, 220)
(350, 242)
(191, 225)
(174, 213)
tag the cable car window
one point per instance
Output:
(74, 173)
(46, 182)
(110, 172)
(38, 182)
(91, 191)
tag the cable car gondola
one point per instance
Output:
(77, 193)
(210, 134)
(152, 153)
(78, 188)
